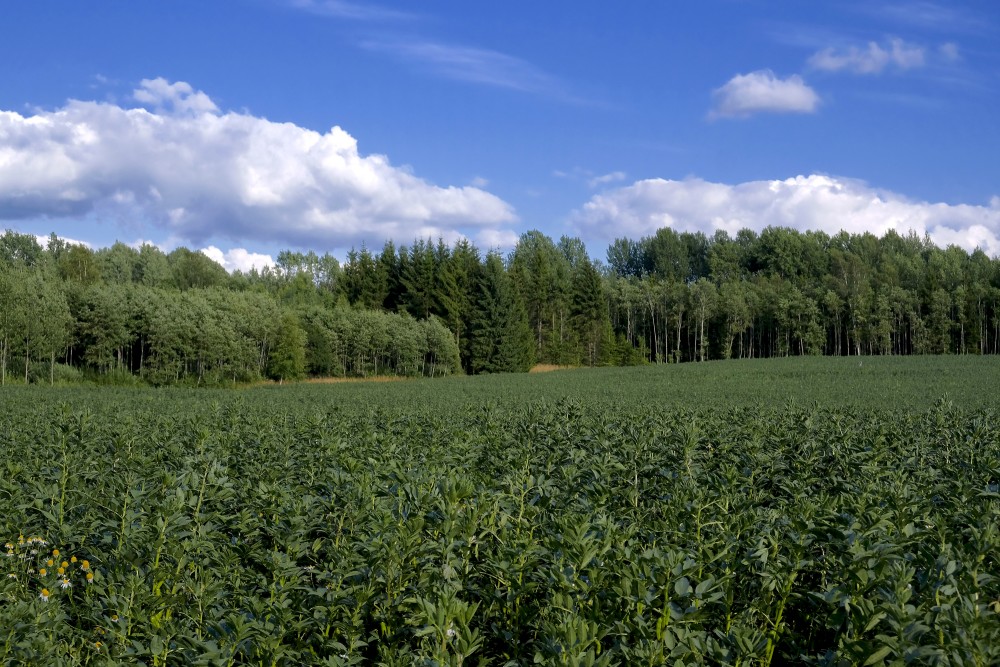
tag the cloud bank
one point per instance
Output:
(812, 202)
(763, 92)
(184, 168)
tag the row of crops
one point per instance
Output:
(283, 528)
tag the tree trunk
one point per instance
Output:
(656, 340)
(680, 319)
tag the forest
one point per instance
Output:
(128, 315)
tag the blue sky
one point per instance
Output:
(248, 126)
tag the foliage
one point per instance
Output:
(668, 297)
(579, 518)
(287, 360)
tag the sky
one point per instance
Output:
(245, 127)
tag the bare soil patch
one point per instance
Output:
(548, 368)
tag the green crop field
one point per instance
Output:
(826, 511)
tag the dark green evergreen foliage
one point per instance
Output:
(464, 267)
(389, 265)
(589, 314)
(419, 269)
(499, 338)
(366, 281)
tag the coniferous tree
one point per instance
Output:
(588, 313)
(500, 339)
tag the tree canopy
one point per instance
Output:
(432, 309)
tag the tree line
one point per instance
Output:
(126, 313)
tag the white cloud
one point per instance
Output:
(812, 202)
(497, 239)
(44, 241)
(479, 182)
(197, 175)
(237, 259)
(178, 97)
(762, 91)
(870, 59)
(613, 177)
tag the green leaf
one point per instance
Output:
(878, 655)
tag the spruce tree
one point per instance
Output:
(500, 339)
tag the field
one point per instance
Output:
(821, 511)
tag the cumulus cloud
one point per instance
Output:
(813, 202)
(493, 239)
(871, 59)
(237, 259)
(763, 92)
(182, 167)
(178, 97)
